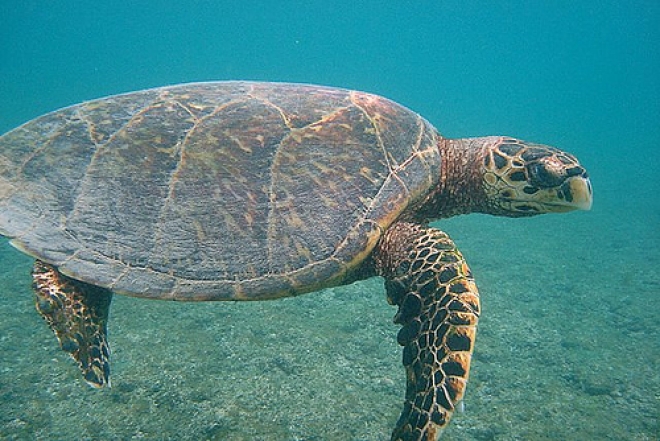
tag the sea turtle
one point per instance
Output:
(252, 191)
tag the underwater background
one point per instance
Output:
(569, 341)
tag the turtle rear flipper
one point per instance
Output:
(77, 312)
(428, 279)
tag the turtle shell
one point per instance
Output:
(214, 191)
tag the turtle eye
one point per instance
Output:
(543, 174)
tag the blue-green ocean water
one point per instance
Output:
(569, 342)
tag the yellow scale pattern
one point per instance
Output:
(78, 315)
(427, 277)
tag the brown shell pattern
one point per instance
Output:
(228, 190)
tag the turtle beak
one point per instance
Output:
(578, 192)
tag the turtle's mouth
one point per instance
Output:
(578, 193)
(574, 194)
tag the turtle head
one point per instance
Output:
(524, 179)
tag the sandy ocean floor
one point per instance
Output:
(568, 348)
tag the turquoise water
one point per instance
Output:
(569, 342)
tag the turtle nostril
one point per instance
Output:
(575, 171)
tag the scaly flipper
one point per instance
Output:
(77, 313)
(428, 279)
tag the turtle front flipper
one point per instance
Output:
(77, 313)
(428, 279)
